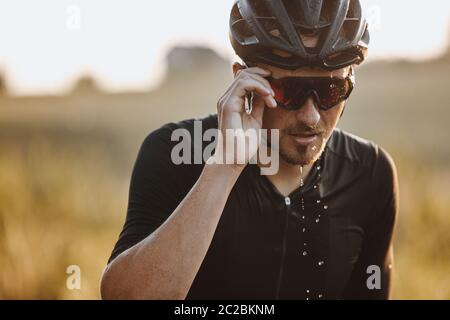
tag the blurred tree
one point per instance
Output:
(86, 85)
(188, 61)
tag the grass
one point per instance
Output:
(64, 205)
(58, 207)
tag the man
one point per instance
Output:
(320, 228)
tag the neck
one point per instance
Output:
(288, 177)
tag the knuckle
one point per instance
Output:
(246, 77)
(240, 82)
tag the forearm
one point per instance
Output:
(164, 265)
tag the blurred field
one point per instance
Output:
(66, 163)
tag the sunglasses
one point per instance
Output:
(291, 93)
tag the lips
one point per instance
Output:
(304, 135)
(304, 139)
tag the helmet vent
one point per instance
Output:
(327, 14)
(282, 54)
(348, 30)
(243, 29)
(351, 14)
(295, 11)
(260, 9)
(235, 14)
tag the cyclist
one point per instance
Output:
(321, 227)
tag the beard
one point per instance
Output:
(300, 155)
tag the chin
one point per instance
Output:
(300, 155)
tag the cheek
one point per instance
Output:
(331, 117)
(275, 118)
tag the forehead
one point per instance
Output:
(305, 72)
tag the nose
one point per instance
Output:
(308, 114)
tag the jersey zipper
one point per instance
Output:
(287, 201)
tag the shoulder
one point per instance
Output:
(161, 138)
(166, 130)
(160, 143)
(373, 163)
(360, 151)
(155, 164)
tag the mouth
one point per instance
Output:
(305, 139)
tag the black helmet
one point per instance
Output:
(272, 32)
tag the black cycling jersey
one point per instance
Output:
(268, 246)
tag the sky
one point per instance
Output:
(46, 45)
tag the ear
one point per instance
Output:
(352, 70)
(236, 67)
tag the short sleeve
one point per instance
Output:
(154, 191)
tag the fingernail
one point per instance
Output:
(274, 103)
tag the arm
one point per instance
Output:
(163, 247)
(164, 265)
(378, 248)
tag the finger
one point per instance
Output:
(269, 101)
(263, 81)
(234, 100)
(258, 70)
(254, 70)
(246, 86)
